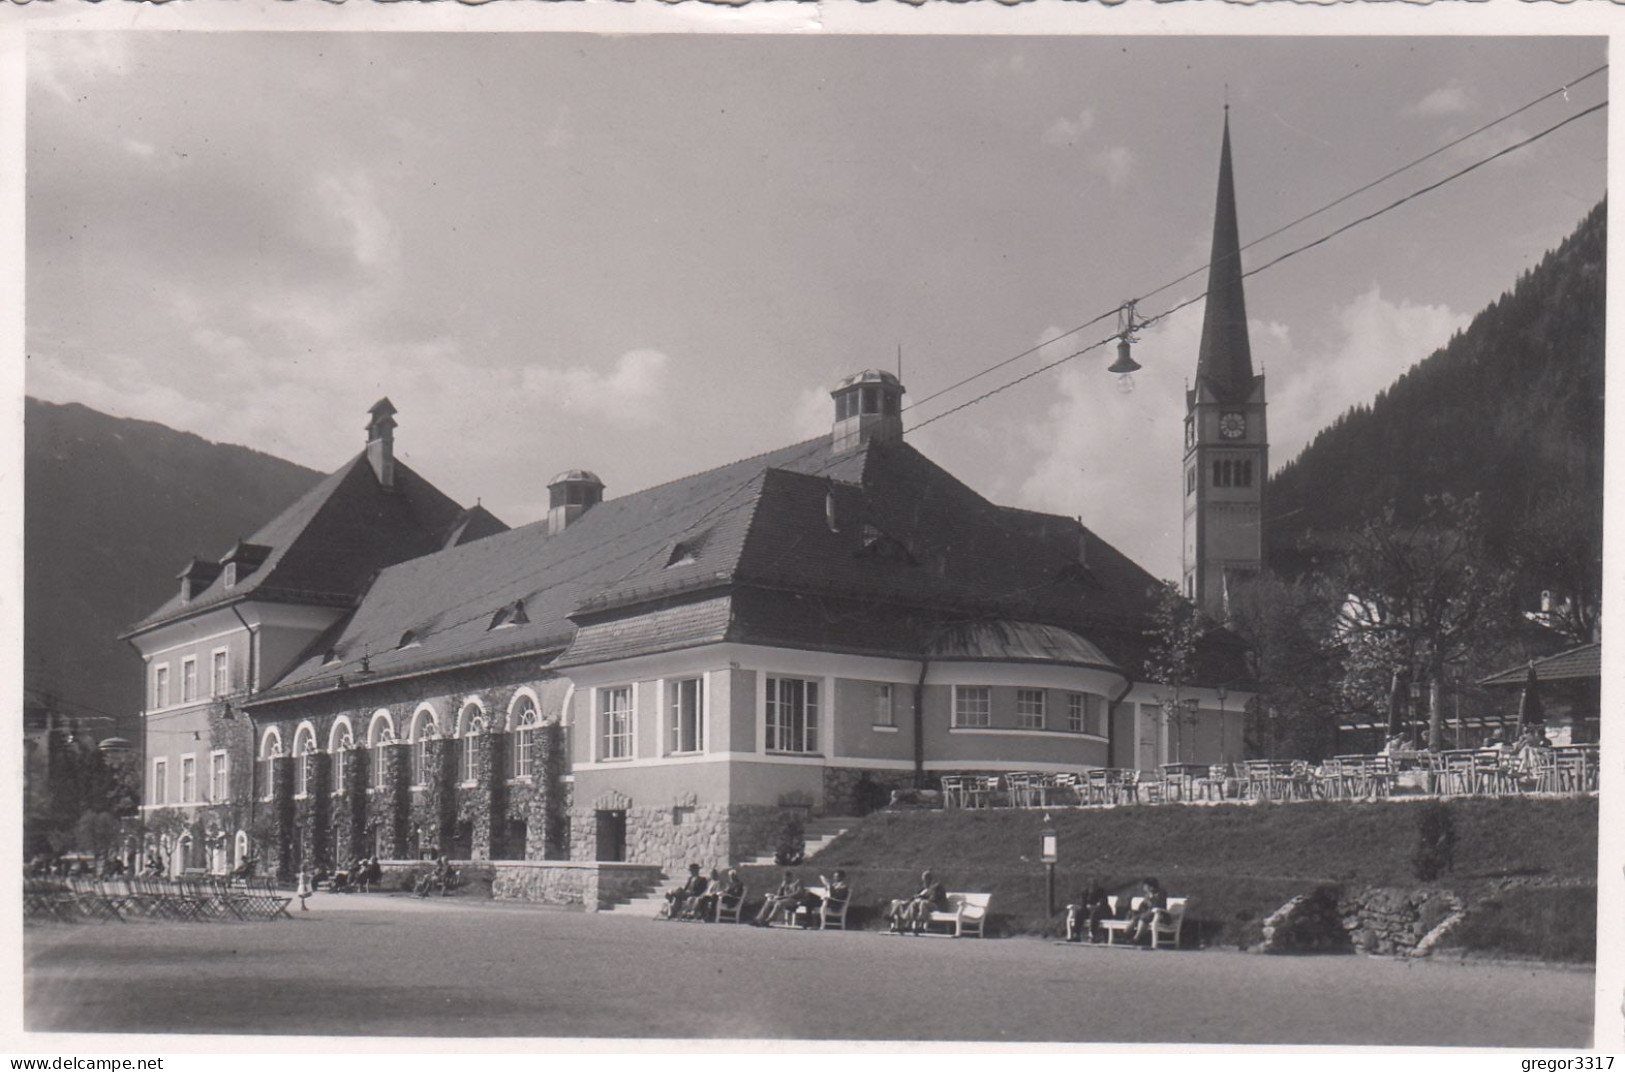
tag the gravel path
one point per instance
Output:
(391, 965)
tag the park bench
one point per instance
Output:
(1168, 922)
(966, 912)
(831, 915)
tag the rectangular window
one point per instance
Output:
(380, 769)
(420, 762)
(220, 674)
(160, 686)
(338, 770)
(188, 780)
(792, 715)
(1190, 480)
(1086, 713)
(686, 708)
(524, 739)
(301, 774)
(885, 712)
(188, 680)
(1030, 709)
(262, 771)
(615, 722)
(1244, 473)
(973, 705)
(160, 781)
(1074, 712)
(470, 758)
(219, 778)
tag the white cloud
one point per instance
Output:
(1067, 130)
(812, 414)
(1446, 100)
(352, 199)
(629, 394)
(1115, 162)
(1377, 340)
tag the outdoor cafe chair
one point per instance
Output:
(1212, 785)
(1492, 774)
(953, 791)
(1067, 785)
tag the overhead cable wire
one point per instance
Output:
(1560, 90)
(1413, 195)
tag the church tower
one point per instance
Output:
(1226, 440)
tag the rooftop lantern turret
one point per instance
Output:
(868, 408)
(381, 441)
(569, 495)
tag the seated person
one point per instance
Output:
(912, 914)
(692, 887)
(375, 873)
(704, 905)
(784, 899)
(1152, 902)
(733, 892)
(1085, 914)
(836, 893)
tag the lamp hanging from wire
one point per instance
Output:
(1125, 366)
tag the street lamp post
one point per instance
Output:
(1222, 693)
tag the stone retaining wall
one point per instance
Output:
(593, 886)
(1384, 921)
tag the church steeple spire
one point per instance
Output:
(1225, 361)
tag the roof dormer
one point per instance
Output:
(242, 560)
(196, 577)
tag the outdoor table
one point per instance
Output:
(1179, 777)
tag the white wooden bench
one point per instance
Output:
(1167, 924)
(966, 913)
(831, 915)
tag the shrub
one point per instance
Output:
(791, 847)
(1435, 851)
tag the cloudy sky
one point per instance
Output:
(652, 255)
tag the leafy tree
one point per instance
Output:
(1296, 662)
(163, 828)
(1419, 598)
(1176, 627)
(1557, 547)
(97, 832)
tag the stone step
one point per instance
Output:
(817, 833)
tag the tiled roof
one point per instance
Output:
(868, 550)
(1582, 662)
(327, 546)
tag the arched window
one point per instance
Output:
(304, 754)
(525, 724)
(270, 748)
(380, 732)
(468, 747)
(424, 730)
(343, 742)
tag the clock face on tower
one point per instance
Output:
(1232, 425)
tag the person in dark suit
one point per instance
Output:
(1152, 901)
(1083, 916)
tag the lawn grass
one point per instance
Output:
(1238, 863)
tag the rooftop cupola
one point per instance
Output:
(868, 408)
(196, 577)
(381, 442)
(569, 495)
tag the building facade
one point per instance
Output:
(667, 676)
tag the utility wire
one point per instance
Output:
(1561, 90)
(1267, 264)
(723, 496)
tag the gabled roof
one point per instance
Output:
(763, 550)
(1224, 363)
(326, 547)
(1584, 662)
